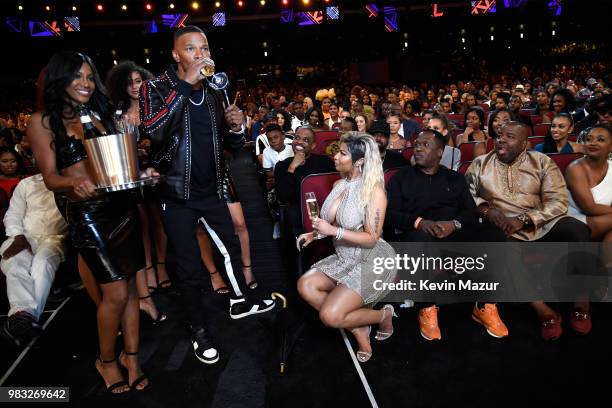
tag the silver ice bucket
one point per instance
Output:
(113, 161)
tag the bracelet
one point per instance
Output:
(417, 222)
(339, 233)
(524, 218)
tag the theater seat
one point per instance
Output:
(564, 159)
(535, 140)
(324, 145)
(408, 152)
(541, 129)
(322, 137)
(319, 184)
(467, 150)
(390, 173)
(464, 166)
(458, 119)
(490, 144)
(535, 119)
(455, 134)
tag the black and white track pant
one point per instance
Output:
(180, 220)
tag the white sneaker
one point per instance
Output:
(242, 307)
(276, 233)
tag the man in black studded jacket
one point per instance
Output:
(189, 128)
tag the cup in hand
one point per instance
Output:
(313, 210)
(209, 68)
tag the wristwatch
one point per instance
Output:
(457, 225)
(524, 218)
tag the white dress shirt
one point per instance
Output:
(32, 210)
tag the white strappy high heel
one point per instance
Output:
(363, 356)
(380, 335)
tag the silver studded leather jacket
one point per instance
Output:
(164, 115)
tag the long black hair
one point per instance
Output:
(287, 117)
(321, 122)
(490, 128)
(118, 80)
(550, 146)
(479, 112)
(570, 101)
(62, 69)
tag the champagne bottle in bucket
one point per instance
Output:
(90, 130)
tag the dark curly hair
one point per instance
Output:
(62, 69)
(570, 101)
(118, 80)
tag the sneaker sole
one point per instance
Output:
(428, 338)
(245, 314)
(477, 320)
(213, 361)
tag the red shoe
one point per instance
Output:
(581, 322)
(551, 328)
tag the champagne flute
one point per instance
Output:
(313, 210)
(209, 68)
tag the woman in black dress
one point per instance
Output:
(105, 228)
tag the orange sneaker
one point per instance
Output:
(490, 319)
(428, 323)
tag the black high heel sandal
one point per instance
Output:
(152, 289)
(160, 316)
(166, 284)
(223, 290)
(116, 385)
(138, 380)
(252, 284)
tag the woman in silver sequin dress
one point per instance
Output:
(341, 286)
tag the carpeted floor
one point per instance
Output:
(467, 368)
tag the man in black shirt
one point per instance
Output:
(289, 173)
(428, 203)
(380, 131)
(189, 129)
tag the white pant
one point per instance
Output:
(29, 275)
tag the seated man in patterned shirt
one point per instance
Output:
(524, 193)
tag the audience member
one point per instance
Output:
(428, 202)
(30, 256)
(390, 159)
(523, 192)
(339, 287)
